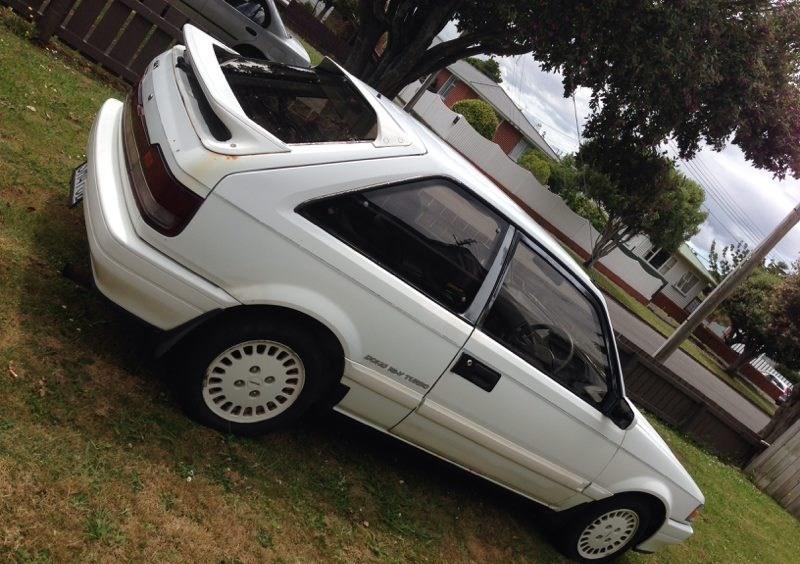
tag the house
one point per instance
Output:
(685, 278)
(515, 134)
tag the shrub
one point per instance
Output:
(479, 115)
(535, 162)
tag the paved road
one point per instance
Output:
(686, 367)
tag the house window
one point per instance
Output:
(448, 85)
(688, 281)
(660, 259)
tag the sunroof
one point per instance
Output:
(300, 105)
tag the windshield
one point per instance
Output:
(300, 105)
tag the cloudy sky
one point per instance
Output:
(744, 202)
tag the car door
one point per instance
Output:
(417, 256)
(521, 402)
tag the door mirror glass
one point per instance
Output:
(620, 412)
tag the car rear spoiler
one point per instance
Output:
(247, 137)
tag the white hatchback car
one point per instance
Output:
(303, 241)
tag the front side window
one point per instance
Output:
(432, 234)
(541, 316)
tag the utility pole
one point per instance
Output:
(418, 94)
(727, 286)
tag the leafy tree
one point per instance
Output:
(569, 182)
(640, 192)
(694, 70)
(784, 337)
(731, 256)
(792, 375)
(681, 215)
(751, 311)
(479, 114)
(489, 67)
(537, 164)
(761, 308)
(785, 329)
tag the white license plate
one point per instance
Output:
(78, 185)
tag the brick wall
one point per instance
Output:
(460, 92)
(672, 309)
(507, 136)
(440, 79)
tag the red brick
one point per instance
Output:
(460, 92)
(507, 136)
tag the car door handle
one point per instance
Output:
(476, 372)
(250, 30)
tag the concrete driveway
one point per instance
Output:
(648, 339)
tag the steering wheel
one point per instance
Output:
(530, 333)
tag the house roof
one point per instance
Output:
(686, 252)
(494, 94)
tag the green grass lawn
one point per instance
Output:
(97, 463)
(690, 347)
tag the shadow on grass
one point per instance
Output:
(101, 356)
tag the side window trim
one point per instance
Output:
(614, 381)
(491, 284)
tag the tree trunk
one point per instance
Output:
(411, 27)
(612, 236)
(784, 418)
(748, 353)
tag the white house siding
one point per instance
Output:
(673, 275)
(641, 245)
(488, 156)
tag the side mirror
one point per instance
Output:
(620, 412)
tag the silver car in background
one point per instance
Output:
(253, 27)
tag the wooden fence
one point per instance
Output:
(776, 471)
(124, 35)
(658, 390)
(121, 35)
(299, 19)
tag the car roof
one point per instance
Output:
(457, 167)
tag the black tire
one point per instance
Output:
(569, 538)
(194, 358)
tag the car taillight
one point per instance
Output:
(166, 205)
(694, 514)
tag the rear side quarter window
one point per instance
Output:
(432, 234)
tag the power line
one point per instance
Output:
(715, 192)
(748, 232)
(728, 198)
(727, 205)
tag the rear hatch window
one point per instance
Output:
(299, 105)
